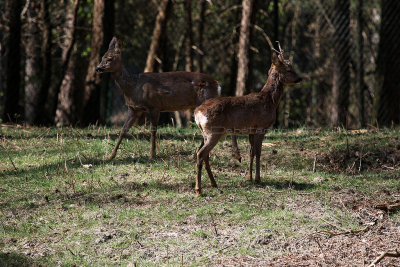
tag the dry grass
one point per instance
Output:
(63, 203)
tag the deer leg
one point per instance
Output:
(235, 149)
(258, 145)
(252, 152)
(132, 118)
(154, 117)
(202, 155)
(210, 175)
(198, 149)
(198, 178)
(201, 145)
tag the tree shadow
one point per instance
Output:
(358, 158)
(134, 133)
(122, 193)
(16, 259)
(280, 185)
(146, 136)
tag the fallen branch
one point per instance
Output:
(331, 234)
(388, 206)
(320, 248)
(394, 254)
(315, 162)
(213, 224)
(12, 162)
(48, 129)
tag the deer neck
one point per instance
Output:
(274, 86)
(125, 80)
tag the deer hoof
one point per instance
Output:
(198, 192)
(111, 156)
(248, 177)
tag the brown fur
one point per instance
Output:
(252, 115)
(153, 93)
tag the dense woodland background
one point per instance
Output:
(347, 51)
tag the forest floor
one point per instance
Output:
(63, 203)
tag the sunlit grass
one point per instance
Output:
(62, 202)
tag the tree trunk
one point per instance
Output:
(12, 59)
(42, 116)
(200, 31)
(189, 36)
(65, 108)
(234, 62)
(33, 64)
(181, 43)
(186, 115)
(158, 30)
(360, 61)
(1, 74)
(93, 79)
(65, 114)
(341, 63)
(276, 36)
(108, 29)
(244, 44)
(249, 81)
(388, 65)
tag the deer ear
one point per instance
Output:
(112, 43)
(118, 44)
(275, 58)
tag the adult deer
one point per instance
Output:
(153, 93)
(249, 115)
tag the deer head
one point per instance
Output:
(284, 67)
(111, 61)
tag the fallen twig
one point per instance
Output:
(12, 162)
(71, 251)
(305, 193)
(213, 224)
(394, 254)
(320, 248)
(331, 234)
(315, 162)
(262, 202)
(140, 244)
(15, 168)
(388, 167)
(48, 129)
(388, 206)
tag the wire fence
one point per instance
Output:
(351, 72)
(336, 47)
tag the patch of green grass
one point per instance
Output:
(62, 202)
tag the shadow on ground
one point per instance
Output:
(15, 259)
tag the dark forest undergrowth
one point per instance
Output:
(327, 198)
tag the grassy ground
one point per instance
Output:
(63, 203)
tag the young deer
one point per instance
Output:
(153, 93)
(249, 115)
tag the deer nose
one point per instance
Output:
(98, 69)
